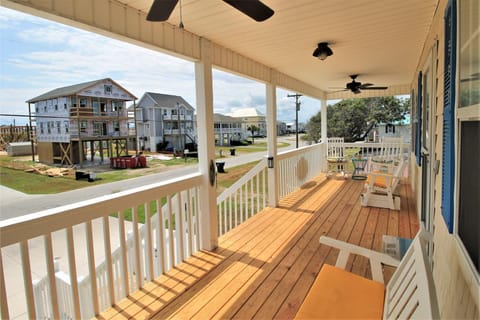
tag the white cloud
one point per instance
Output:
(42, 55)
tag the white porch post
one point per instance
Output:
(271, 95)
(323, 113)
(206, 147)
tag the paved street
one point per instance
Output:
(14, 203)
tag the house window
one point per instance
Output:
(65, 106)
(103, 106)
(41, 128)
(468, 120)
(66, 124)
(56, 107)
(44, 108)
(83, 102)
(59, 130)
(83, 126)
(116, 126)
(117, 105)
(107, 89)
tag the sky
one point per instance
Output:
(39, 55)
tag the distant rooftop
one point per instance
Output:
(245, 112)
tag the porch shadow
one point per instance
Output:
(265, 267)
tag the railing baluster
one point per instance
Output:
(123, 255)
(91, 267)
(257, 196)
(252, 199)
(148, 244)
(27, 279)
(51, 275)
(197, 218)
(181, 229)
(73, 272)
(3, 292)
(108, 259)
(161, 237)
(170, 232)
(136, 249)
(189, 221)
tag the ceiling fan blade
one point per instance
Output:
(366, 85)
(252, 8)
(161, 10)
(375, 88)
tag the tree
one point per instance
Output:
(354, 119)
(253, 128)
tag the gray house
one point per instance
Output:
(164, 122)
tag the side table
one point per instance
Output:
(359, 165)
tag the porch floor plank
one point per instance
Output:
(265, 267)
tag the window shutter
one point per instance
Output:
(418, 144)
(448, 150)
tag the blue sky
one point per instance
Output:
(39, 55)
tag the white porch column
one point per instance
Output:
(271, 95)
(206, 147)
(323, 113)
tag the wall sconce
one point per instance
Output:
(270, 162)
(322, 51)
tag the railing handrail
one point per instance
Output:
(290, 153)
(15, 230)
(240, 182)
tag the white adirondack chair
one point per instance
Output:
(410, 293)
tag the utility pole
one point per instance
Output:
(297, 108)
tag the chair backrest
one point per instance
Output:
(410, 293)
(391, 148)
(335, 148)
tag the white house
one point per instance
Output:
(90, 116)
(251, 117)
(164, 122)
(227, 129)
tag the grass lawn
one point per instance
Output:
(31, 183)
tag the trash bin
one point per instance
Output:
(232, 152)
(221, 167)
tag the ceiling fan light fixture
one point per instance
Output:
(322, 51)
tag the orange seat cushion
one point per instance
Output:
(380, 181)
(338, 294)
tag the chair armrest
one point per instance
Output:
(377, 259)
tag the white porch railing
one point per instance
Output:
(152, 248)
(243, 199)
(298, 166)
(138, 255)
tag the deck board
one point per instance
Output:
(264, 268)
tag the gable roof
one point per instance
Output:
(73, 90)
(163, 100)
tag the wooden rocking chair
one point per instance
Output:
(381, 184)
(336, 160)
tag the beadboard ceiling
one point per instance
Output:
(379, 40)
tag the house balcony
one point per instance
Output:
(264, 264)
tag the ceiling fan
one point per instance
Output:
(356, 87)
(255, 9)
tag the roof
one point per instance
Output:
(245, 112)
(163, 100)
(72, 90)
(217, 117)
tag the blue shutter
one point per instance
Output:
(418, 143)
(448, 143)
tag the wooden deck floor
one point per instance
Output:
(264, 268)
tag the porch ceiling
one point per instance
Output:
(380, 41)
